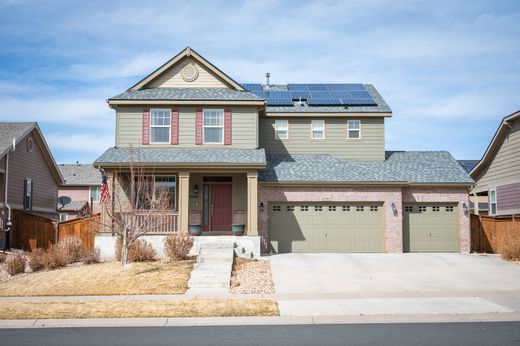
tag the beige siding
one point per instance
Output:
(172, 78)
(24, 164)
(244, 123)
(505, 166)
(370, 147)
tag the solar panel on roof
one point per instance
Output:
(360, 94)
(320, 95)
(317, 87)
(252, 86)
(359, 102)
(324, 102)
(296, 95)
(278, 94)
(297, 87)
(279, 102)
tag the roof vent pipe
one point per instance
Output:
(267, 75)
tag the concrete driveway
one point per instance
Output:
(371, 273)
(338, 284)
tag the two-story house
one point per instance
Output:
(80, 192)
(303, 166)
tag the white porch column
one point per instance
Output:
(252, 203)
(183, 203)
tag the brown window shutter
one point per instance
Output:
(198, 126)
(227, 126)
(146, 126)
(174, 124)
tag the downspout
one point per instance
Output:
(8, 224)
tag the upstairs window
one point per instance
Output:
(493, 202)
(281, 129)
(318, 129)
(354, 129)
(213, 126)
(160, 126)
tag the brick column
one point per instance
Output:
(252, 203)
(183, 203)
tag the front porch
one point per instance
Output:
(211, 200)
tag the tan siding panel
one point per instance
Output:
(505, 166)
(24, 164)
(172, 78)
(371, 146)
(243, 133)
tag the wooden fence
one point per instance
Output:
(84, 229)
(30, 231)
(487, 231)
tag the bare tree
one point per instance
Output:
(137, 205)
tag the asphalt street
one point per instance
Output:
(475, 333)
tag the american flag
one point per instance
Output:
(105, 193)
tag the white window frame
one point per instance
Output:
(281, 125)
(212, 126)
(90, 193)
(492, 202)
(65, 217)
(318, 129)
(169, 126)
(353, 129)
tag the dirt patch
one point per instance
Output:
(251, 276)
(102, 279)
(150, 308)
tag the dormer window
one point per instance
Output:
(160, 126)
(213, 126)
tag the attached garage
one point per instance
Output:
(430, 227)
(320, 227)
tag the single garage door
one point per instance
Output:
(335, 227)
(430, 227)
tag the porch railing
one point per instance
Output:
(160, 222)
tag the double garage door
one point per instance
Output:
(334, 227)
(358, 227)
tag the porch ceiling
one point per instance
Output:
(252, 158)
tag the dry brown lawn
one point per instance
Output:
(102, 279)
(154, 308)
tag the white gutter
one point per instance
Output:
(8, 224)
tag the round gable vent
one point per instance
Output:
(30, 145)
(190, 72)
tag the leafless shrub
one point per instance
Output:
(140, 251)
(56, 257)
(15, 263)
(71, 248)
(91, 256)
(509, 245)
(3, 257)
(37, 259)
(177, 246)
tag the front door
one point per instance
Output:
(219, 207)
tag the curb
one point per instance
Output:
(242, 321)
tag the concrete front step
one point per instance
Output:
(217, 245)
(212, 266)
(207, 283)
(215, 259)
(211, 274)
(217, 251)
(214, 263)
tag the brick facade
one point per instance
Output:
(393, 222)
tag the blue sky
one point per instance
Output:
(450, 70)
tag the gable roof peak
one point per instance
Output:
(187, 52)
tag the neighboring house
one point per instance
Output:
(82, 186)
(482, 200)
(29, 176)
(497, 175)
(303, 166)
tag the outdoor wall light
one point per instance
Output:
(196, 189)
(394, 209)
(465, 208)
(261, 206)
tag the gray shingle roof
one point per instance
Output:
(382, 106)
(413, 167)
(422, 167)
(80, 174)
(183, 156)
(72, 206)
(10, 130)
(319, 168)
(200, 94)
